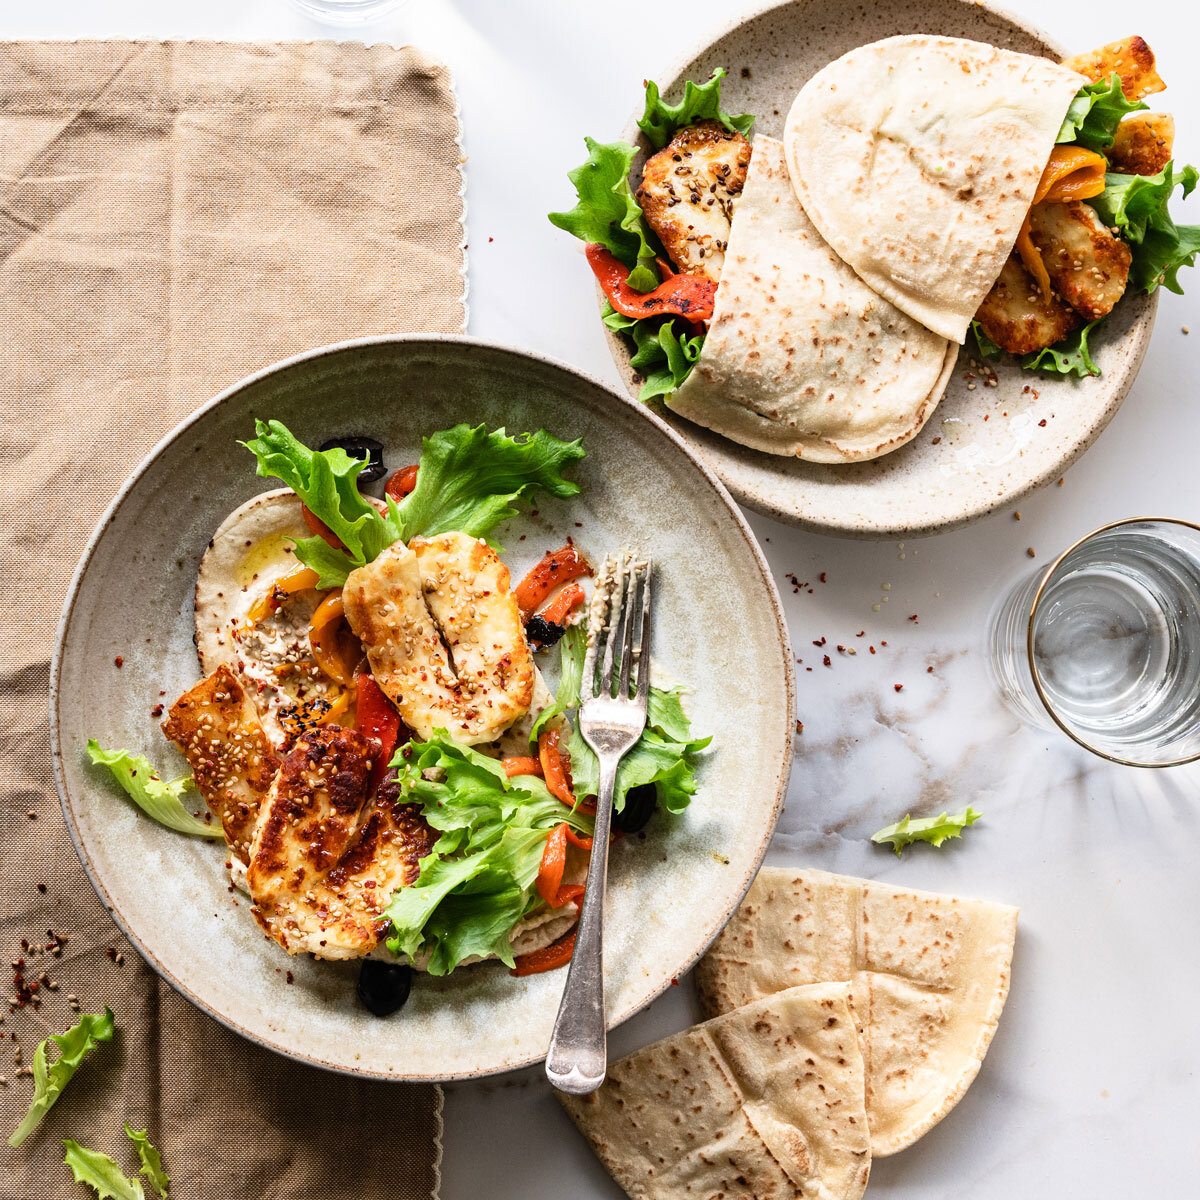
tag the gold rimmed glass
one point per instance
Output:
(1104, 643)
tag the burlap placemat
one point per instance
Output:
(172, 217)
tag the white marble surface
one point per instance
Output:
(1090, 1087)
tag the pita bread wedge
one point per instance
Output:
(929, 976)
(765, 1103)
(917, 158)
(802, 358)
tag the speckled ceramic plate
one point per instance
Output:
(983, 448)
(718, 628)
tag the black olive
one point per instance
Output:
(545, 633)
(383, 987)
(640, 803)
(360, 448)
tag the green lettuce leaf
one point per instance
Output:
(701, 102)
(158, 799)
(1137, 207)
(101, 1174)
(470, 480)
(986, 348)
(1068, 357)
(661, 356)
(327, 482)
(151, 1160)
(606, 211)
(49, 1081)
(665, 754)
(1095, 113)
(479, 879)
(572, 650)
(934, 830)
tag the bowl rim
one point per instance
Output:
(1124, 376)
(55, 694)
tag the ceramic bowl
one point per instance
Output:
(718, 628)
(983, 448)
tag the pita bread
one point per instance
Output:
(917, 158)
(765, 1103)
(802, 358)
(929, 977)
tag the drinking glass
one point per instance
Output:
(1105, 642)
(346, 12)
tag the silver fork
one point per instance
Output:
(611, 721)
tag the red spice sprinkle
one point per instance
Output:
(898, 686)
(936, 440)
(928, 670)
(841, 649)
(883, 643)
(118, 661)
(871, 648)
(986, 415)
(821, 577)
(827, 662)
(861, 633)
(674, 981)
(914, 620)
(799, 726)
(290, 977)
(41, 887)
(1042, 422)
(157, 711)
(820, 643)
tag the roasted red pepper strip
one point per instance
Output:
(556, 767)
(401, 482)
(379, 720)
(556, 568)
(584, 843)
(548, 958)
(565, 603)
(318, 527)
(569, 892)
(554, 861)
(522, 766)
(687, 296)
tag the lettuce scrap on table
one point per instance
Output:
(606, 213)
(934, 830)
(102, 1174)
(49, 1080)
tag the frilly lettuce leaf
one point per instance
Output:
(101, 1174)
(665, 754)
(49, 1080)
(986, 348)
(1136, 206)
(934, 830)
(607, 213)
(327, 482)
(701, 102)
(156, 797)
(1068, 357)
(151, 1160)
(661, 356)
(1095, 113)
(468, 480)
(479, 879)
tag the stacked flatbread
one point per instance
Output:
(864, 243)
(769, 1097)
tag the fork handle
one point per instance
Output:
(578, 1054)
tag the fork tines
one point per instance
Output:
(619, 628)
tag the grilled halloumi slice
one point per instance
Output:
(1143, 144)
(1087, 265)
(1016, 316)
(687, 194)
(217, 727)
(444, 637)
(1131, 58)
(326, 857)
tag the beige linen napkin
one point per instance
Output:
(172, 217)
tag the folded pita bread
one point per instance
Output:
(802, 358)
(928, 976)
(761, 1104)
(917, 158)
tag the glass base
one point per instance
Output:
(346, 12)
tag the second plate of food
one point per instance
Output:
(258, 615)
(896, 266)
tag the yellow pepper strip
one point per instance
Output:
(337, 707)
(323, 638)
(1072, 173)
(299, 580)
